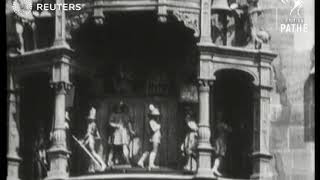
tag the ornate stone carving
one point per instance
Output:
(189, 93)
(162, 12)
(223, 30)
(204, 84)
(190, 20)
(74, 22)
(61, 87)
(259, 38)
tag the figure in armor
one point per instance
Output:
(119, 140)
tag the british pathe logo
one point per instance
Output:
(297, 5)
(295, 21)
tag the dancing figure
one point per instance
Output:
(189, 145)
(154, 141)
(220, 146)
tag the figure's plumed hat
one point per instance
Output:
(153, 110)
(192, 125)
(92, 113)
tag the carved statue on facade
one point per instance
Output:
(121, 123)
(259, 38)
(245, 26)
(189, 145)
(220, 146)
(223, 29)
(155, 137)
(90, 142)
(40, 163)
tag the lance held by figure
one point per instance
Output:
(89, 141)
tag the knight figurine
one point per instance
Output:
(90, 142)
(119, 140)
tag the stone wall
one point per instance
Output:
(293, 157)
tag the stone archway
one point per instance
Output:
(232, 103)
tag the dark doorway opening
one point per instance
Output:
(233, 105)
(36, 110)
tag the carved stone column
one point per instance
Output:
(58, 153)
(261, 156)
(204, 147)
(13, 157)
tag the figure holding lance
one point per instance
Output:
(90, 141)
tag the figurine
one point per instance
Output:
(120, 138)
(220, 146)
(40, 160)
(90, 140)
(155, 137)
(190, 143)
